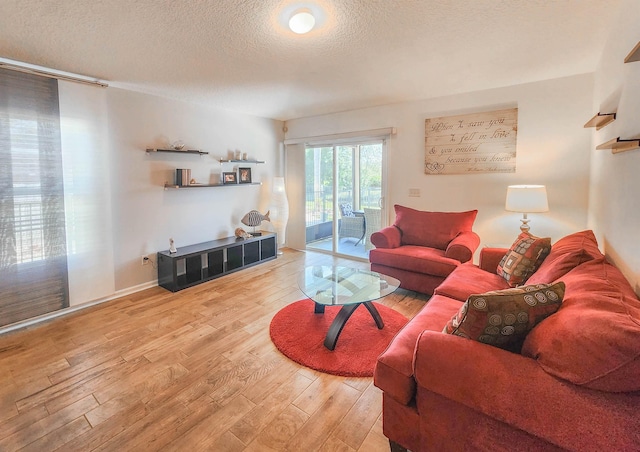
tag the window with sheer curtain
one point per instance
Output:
(33, 249)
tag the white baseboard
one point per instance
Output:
(70, 309)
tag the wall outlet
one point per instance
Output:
(145, 260)
(414, 192)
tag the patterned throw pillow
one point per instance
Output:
(347, 209)
(523, 258)
(504, 317)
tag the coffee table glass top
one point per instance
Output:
(335, 285)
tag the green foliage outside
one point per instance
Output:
(319, 171)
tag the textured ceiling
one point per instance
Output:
(239, 55)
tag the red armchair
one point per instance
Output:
(422, 248)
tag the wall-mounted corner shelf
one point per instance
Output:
(240, 161)
(174, 186)
(634, 55)
(175, 151)
(600, 120)
(617, 145)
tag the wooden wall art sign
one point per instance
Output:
(470, 144)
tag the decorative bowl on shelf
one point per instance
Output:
(178, 145)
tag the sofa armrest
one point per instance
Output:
(388, 237)
(490, 258)
(463, 246)
(515, 390)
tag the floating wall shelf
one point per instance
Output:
(173, 186)
(600, 120)
(175, 151)
(617, 145)
(634, 55)
(240, 161)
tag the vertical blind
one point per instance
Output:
(33, 251)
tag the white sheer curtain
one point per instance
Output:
(85, 154)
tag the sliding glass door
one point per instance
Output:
(344, 198)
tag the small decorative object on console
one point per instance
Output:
(254, 218)
(172, 246)
(242, 234)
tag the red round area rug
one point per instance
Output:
(299, 334)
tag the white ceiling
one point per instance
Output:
(239, 55)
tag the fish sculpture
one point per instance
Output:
(254, 218)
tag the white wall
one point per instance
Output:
(145, 215)
(553, 149)
(614, 209)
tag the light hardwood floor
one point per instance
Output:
(190, 371)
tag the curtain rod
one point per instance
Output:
(348, 136)
(30, 69)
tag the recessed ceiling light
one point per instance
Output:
(302, 21)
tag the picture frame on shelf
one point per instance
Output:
(245, 175)
(229, 178)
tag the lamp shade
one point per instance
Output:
(527, 198)
(279, 209)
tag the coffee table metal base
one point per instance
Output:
(341, 319)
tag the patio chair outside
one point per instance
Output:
(351, 223)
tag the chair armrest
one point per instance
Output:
(463, 246)
(388, 237)
(490, 258)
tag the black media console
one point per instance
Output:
(198, 263)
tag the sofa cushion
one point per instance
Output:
(468, 279)
(566, 254)
(394, 369)
(418, 259)
(594, 338)
(523, 258)
(503, 318)
(434, 229)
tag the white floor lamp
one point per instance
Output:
(279, 210)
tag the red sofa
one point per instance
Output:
(422, 248)
(575, 384)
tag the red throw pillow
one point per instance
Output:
(503, 318)
(566, 254)
(433, 229)
(523, 258)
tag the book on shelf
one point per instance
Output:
(183, 176)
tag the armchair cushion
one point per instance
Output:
(432, 229)
(417, 259)
(503, 318)
(346, 210)
(524, 258)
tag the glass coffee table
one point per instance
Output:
(346, 287)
